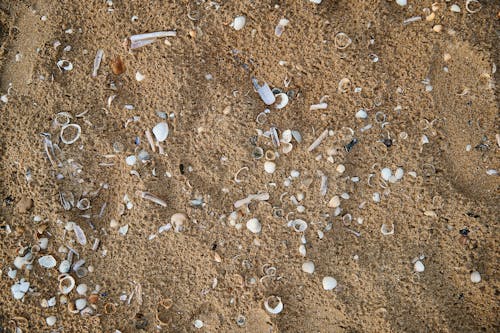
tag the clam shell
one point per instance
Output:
(160, 131)
(238, 22)
(47, 261)
(254, 226)
(286, 136)
(329, 283)
(276, 309)
(66, 283)
(286, 147)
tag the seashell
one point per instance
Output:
(302, 250)
(342, 41)
(131, 160)
(19, 289)
(43, 243)
(402, 3)
(455, 8)
(47, 261)
(418, 266)
(51, 321)
(93, 298)
(178, 220)
(66, 118)
(83, 204)
(469, 8)
(67, 199)
(258, 153)
(269, 167)
(386, 174)
(82, 289)
(296, 135)
(399, 173)
(278, 30)
(334, 202)
(329, 283)
(72, 308)
(64, 266)
(308, 267)
(344, 85)
(286, 147)
(238, 23)
(361, 114)
(264, 92)
(283, 100)
(254, 226)
(273, 304)
(139, 77)
(66, 283)
(270, 155)
(64, 65)
(385, 231)
(80, 304)
(160, 131)
(81, 272)
(76, 137)
(88, 311)
(198, 323)
(298, 225)
(475, 277)
(80, 235)
(286, 136)
(109, 308)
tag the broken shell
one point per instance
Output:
(264, 92)
(342, 41)
(455, 8)
(80, 235)
(418, 266)
(399, 173)
(469, 8)
(238, 22)
(254, 226)
(117, 66)
(51, 321)
(286, 136)
(80, 304)
(62, 118)
(278, 31)
(298, 225)
(334, 202)
(64, 266)
(344, 85)
(329, 283)
(258, 153)
(386, 174)
(402, 3)
(82, 289)
(308, 267)
(47, 261)
(273, 304)
(475, 277)
(83, 204)
(270, 155)
(93, 298)
(139, 77)
(361, 114)
(160, 131)
(109, 308)
(178, 220)
(131, 160)
(286, 147)
(65, 65)
(385, 231)
(283, 101)
(66, 283)
(81, 272)
(76, 137)
(269, 166)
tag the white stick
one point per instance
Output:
(97, 62)
(153, 35)
(318, 141)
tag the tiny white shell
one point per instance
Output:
(399, 173)
(315, 1)
(198, 323)
(123, 230)
(385, 231)
(286, 136)
(80, 303)
(160, 131)
(269, 167)
(376, 197)
(361, 114)
(66, 283)
(80, 235)
(43, 243)
(283, 101)
(281, 27)
(254, 226)
(302, 250)
(475, 277)
(419, 266)
(286, 147)
(76, 137)
(266, 94)
(139, 77)
(402, 3)
(329, 283)
(386, 174)
(298, 225)
(308, 267)
(455, 8)
(47, 261)
(51, 321)
(276, 309)
(238, 22)
(82, 289)
(131, 160)
(334, 202)
(65, 65)
(64, 266)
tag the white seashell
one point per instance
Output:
(308, 267)
(20, 288)
(283, 101)
(198, 323)
(269, 167)
(12, 273)
(76, 137)
(66, 283)
(51, 321)
(376, 197)
(254, 226)
(82, 289)
(475, 277)
(51, 302)
(80, 235)
(238, 22)
(139, 77)
(47, 261)
(160, 131)
(402, 3)
(455, 8)
(361, 114)
(316, 1)
(83, 204)
(20, 262)
(43, 243)
(286, 147)
(329, 283)
(64, 266)
(419, 266)
(302, 250)
(298, 225)
(123, 230)
(320, 106)
(131, 160)
(273, 309)
(65, 65)
(385, 231)
(286, 136)
(278, 31)
(399, 173)
(386, 174)
(334, 202)
(296, 135)
(80, 303)
(178, 220)
(491, 172)
(265, 93)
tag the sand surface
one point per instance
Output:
(432, 104)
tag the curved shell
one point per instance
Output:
(298, 225)
(273, 309)
(66, 283)
(286, 147)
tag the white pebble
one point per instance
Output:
(239, 22)
(386, 174)
(51, 321)
(131, 160)
(455, 8)
(269, 167)
(254, 226)
(340, 168)
(308, 267)
(329, 283)
(198, 323)
(402, 3)
(361, 114)
(139, 77)
(47, 261)
(376, 197)
(475, 277)
(160, 131)
(294, 174)
(419, 266)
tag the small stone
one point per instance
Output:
(419, 266)
(308, 267)
(24, 205)
(455, 8)
(475, 277)
(198, 323)
(340, 168)
(329, 283)
(254, 226)
(51, 321)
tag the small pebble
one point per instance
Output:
(475, 277)
(198, 323)
(329, 283)
(308, 267)
(419, 266)
(254, 226)
(340, 168)
(51, 321)
(402, 3)
(455, 8)
(269, 167)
